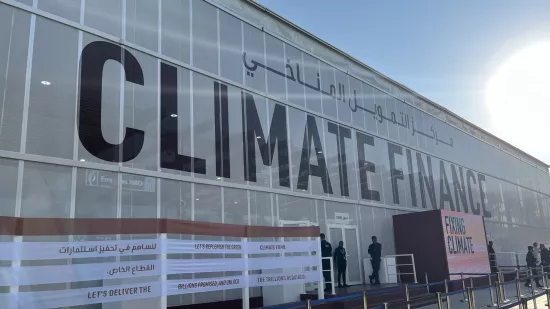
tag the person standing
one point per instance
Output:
(326, 251)
(544, 257)
(340, 259)
(536, 252)
(532, 264)
(375, 251)
(492, 257)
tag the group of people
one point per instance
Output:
(537, 256)
(340, 261)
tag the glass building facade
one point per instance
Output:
(197, 114)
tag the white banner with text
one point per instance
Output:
(295, 262)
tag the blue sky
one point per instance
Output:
(444, 50)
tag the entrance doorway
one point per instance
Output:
(348, 234)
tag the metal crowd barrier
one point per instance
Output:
(499, 299)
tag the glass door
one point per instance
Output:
(350, 236)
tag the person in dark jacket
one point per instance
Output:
(375, 251)
(532, 264)
(326, 251)
(492, 257)
(340, 260)
(544, 257)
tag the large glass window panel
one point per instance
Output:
(261, 209)
(297, 131)
(430, 129)
(343, 97)
(393, 115)
(396, 188)
(332, 158)
(235, 206)
(53, 90)
(355, 103)
(329, 90)
(8, 190)
(275, 59)
(96, 197)
(208, 208)
(352, 166)
(236, 143)
(366, 228)
(263, 172)
(14, 31)
(294, 68)
(388, 240)
(176, 203)
(96, 194)
(175, 29)
(311, 78)
(139, 196)
(320, 184)
(205, 36)
(379, 215)
(104, 15)
(113, 76)
(142, 23)
(183, 130)
(280, 172)
(204, 124)
(254, 48)
(231, 54)
(380, 110)
(46, 191)
(69, 9)
(401, 115)
(369, 108)
(296, 208)
(376, 154)
(141, 112)
(417, 125)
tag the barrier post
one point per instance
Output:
(465, 295)
(447, 297)
(497, 289)
(533, 292)
(470, 303)
(309, 304)
(427, 282)
(414, 268)
(364, 299)
(492, 304)
(439, 301)
(502, 288)
(518, 288)
(407, 297)
(385, 305)
(543, 276)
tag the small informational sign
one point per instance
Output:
(341, 217)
